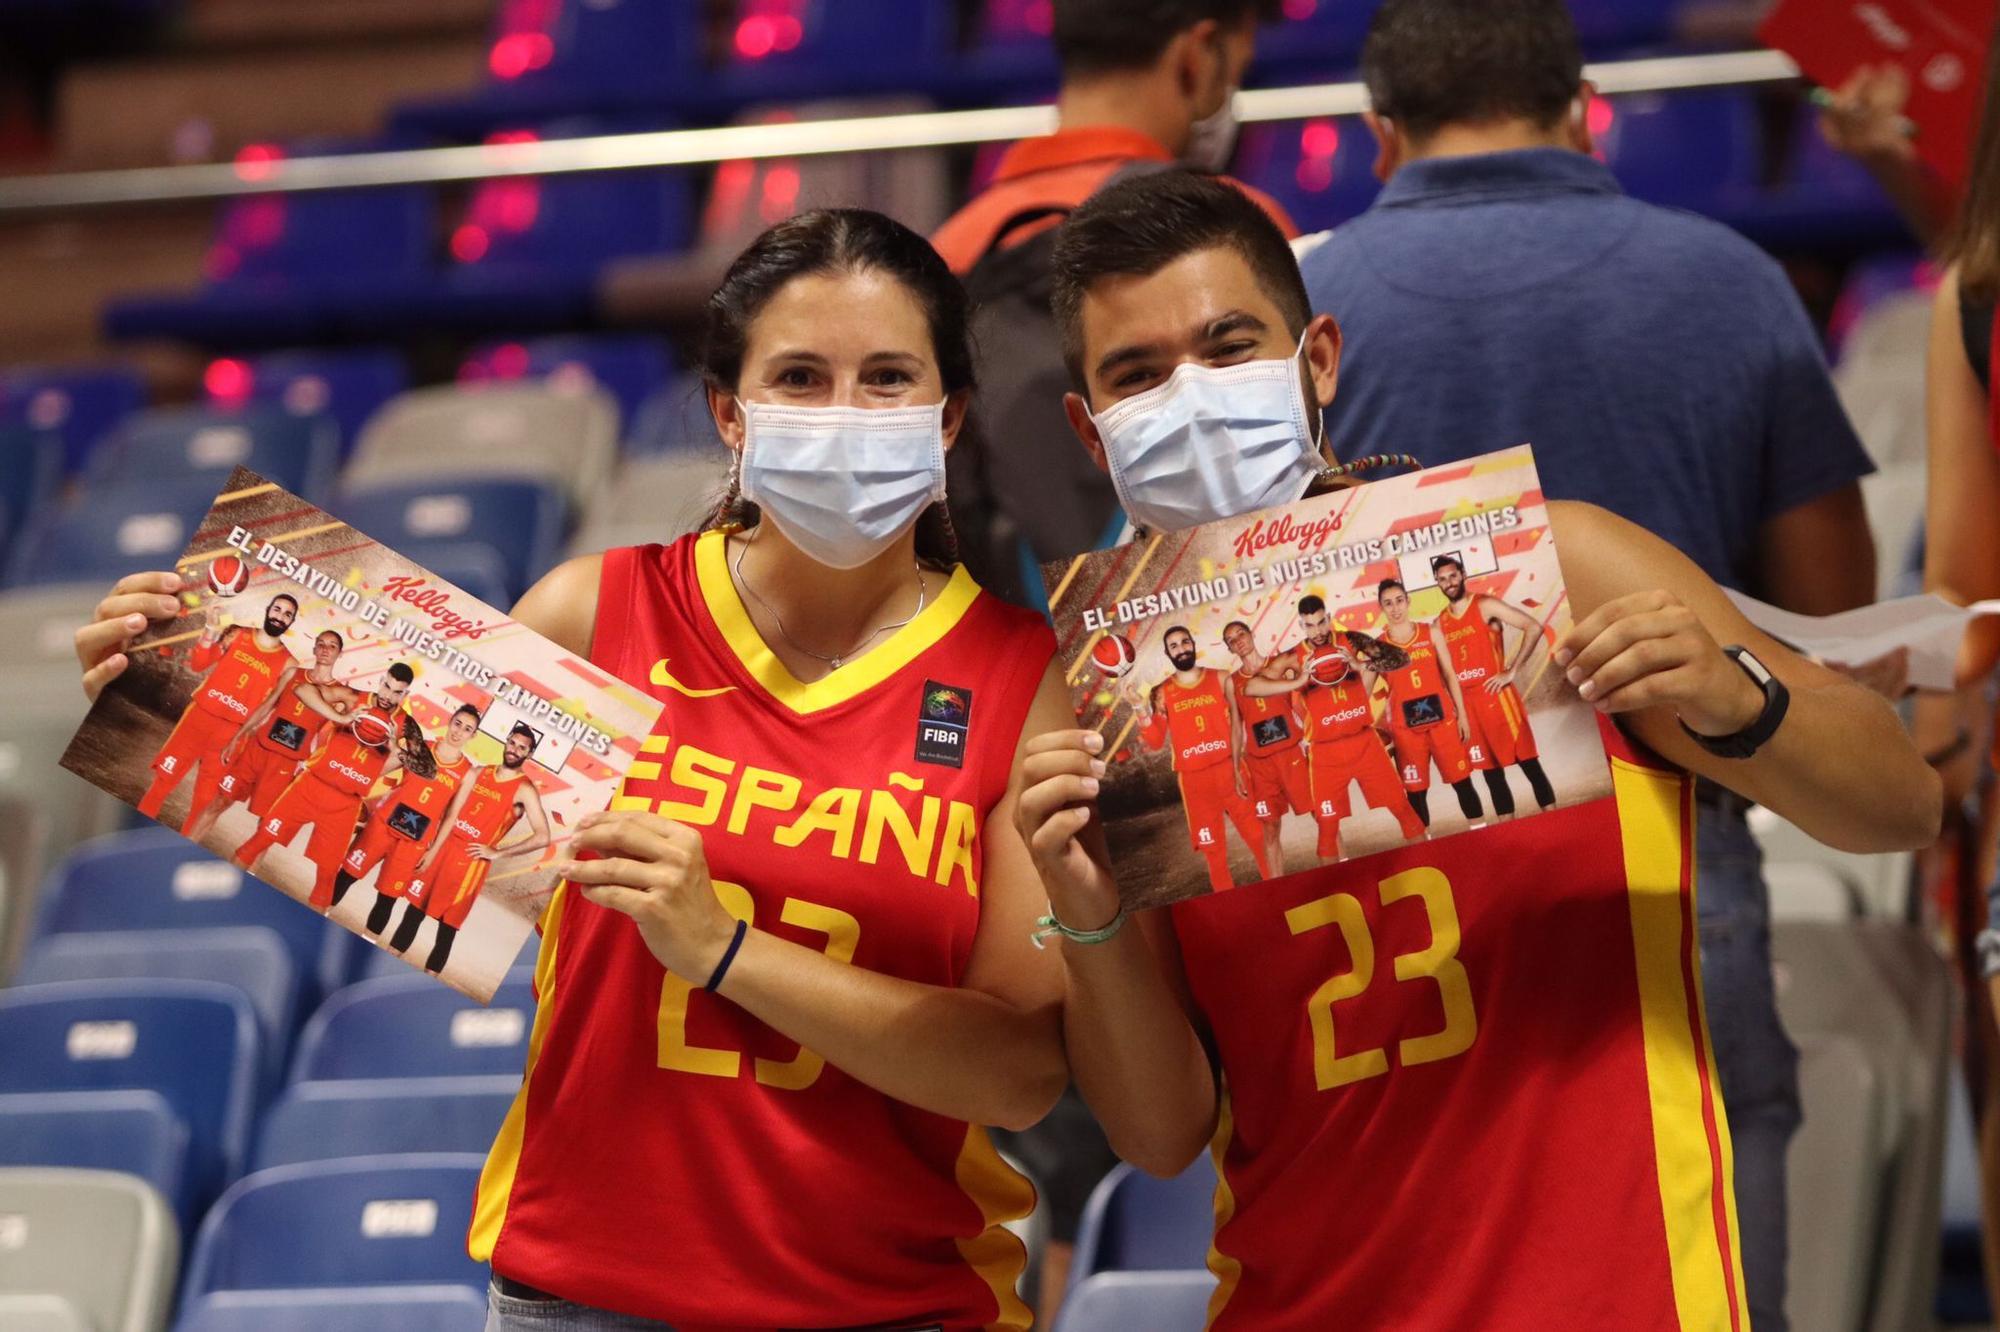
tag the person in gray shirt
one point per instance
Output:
(1502, 290)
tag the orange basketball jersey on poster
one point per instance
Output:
(1469, 639)
(293, 719)
(1422, 679)
(428, 797)
(1337, 711)
(670, 1155)
(344, 763)
(1269, 724)
(243, 678)
(1197, 721)
(488, 811)
(1469, 1084)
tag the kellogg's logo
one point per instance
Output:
(435, 602)
(1269, 534)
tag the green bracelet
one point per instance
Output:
(1050, 925)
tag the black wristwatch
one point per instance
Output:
(1746, 742)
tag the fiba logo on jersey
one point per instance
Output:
(944, 721)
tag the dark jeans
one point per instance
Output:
(1755, 1059)
(506, 1313)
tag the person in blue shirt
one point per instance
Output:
(1503, 290)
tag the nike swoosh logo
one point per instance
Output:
(665, 679)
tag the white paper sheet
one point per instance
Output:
(1929, 626)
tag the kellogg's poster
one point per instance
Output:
(362, 736)
(1327, 680)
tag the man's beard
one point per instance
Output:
(274, 628)
(1185, 663)
(512, 764)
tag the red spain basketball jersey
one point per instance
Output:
(244, 674)
(1469, 1084)
(669, 1155)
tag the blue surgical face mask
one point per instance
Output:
(842, 483)
(1212, 443)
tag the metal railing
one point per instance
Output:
(794, 138)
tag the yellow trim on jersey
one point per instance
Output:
(996, 1253)
(1228, 1271)
(1650, 823)
(904, 646)
(496, 1178)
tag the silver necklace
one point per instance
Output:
(833, 662)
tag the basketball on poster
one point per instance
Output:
(1348, 674)
(362, 736)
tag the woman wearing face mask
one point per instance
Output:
(790, 973)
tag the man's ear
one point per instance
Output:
(1086, 429)
(1197, 73)
(728, 414)
(1323, 348)
(1390, 150)
(1576, 128)
(956, 405)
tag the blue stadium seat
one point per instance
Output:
(252, 958)
(631, 369)
(321, 1121)
(289, 269)
(412, 1027)
(345, 1309)
(1313, 39)
(1010, 54)
(106, 533)
(526, 253)
(791, 50)
(135, 1132)
(548, 60)
(193, 1042)
(31, 467)
(519, 520)
(297, 452)
(675, 419)
(155, 879)
(1136, 1223)
(367, 1221)
(345, 385)
(1322, 171)
(1123, 1301)
(78, 402)
(1695, 150)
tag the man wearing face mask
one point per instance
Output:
(1535, 994)
(1145, 83)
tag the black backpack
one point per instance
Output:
(1023, 490)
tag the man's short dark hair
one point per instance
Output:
(285, 597)
(400, 670)
(1433, 63)
(1440, 561)
(1093, 36)
(1139, 226)
(464, 708)
(1176, 629)
(1311, 604)
(522, 728)
(1382, 589)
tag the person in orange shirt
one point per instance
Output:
(241, 667)
(1274, 760)
(1427, 716)
(267, 749)
(1193, 713)
(452, 874)
(407, 821)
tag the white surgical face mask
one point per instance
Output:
(842, 483)
(1211, 444)
(1212, 139)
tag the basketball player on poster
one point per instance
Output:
(1427, 717)
(406, 822)
(1273, 738)
(1501, 736)
(265, 754)
(1194, 710)
(327, 793)
(1341, 739)
(449, 878)
(240, 666)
